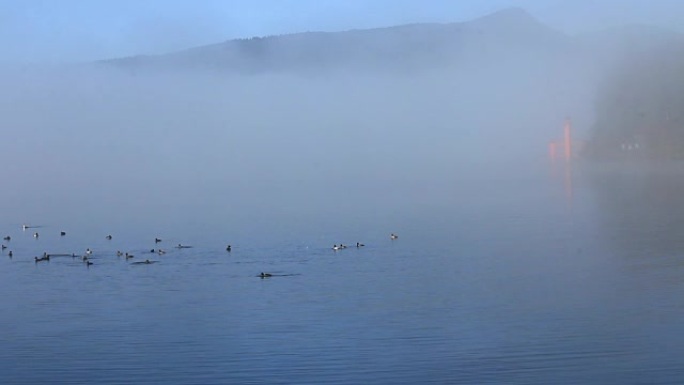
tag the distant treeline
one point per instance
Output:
(640, 107)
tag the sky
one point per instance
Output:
(38, 31)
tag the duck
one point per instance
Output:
(359, 244)
(229, 248)
(145, 262)
(161, 252)
(88, 251)
(62, 233)
(84, 258)
(265, 275)
(393, 236)
(129, 256)
(109, 237)
(119, 253)
(4, 247)
(7, 238)
(46, 258)
(157, 240)
(10, 254)
(88, 263)
(35, 235)
(335, 247)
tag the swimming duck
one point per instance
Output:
(393, 236)
(157, 240)
(4, 247)
(10, 254)
(35, 235)
(88, 263)
(229, 248)
(62, 233)
(359, 244)
(88, 251)
(7, 238)
(109, 237)
(119, 253)
(46, 258)
(129, 256)
(145, 262)
(265, 275)
(161, 252)
(335, 247)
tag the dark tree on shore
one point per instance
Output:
(640, 106)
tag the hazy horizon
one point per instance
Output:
(102, 142)
(100, 139)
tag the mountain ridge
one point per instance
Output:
(510, 35)
(399, 45)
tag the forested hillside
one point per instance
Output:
(640, 105)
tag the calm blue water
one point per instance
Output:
(491, 283)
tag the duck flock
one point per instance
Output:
(85, 257)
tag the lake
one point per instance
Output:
(491, 281)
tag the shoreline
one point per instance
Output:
(630, 167)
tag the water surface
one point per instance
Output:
(493, 281)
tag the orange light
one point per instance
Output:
(567, 139)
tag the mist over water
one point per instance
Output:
(121, 147)
(509, 268)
